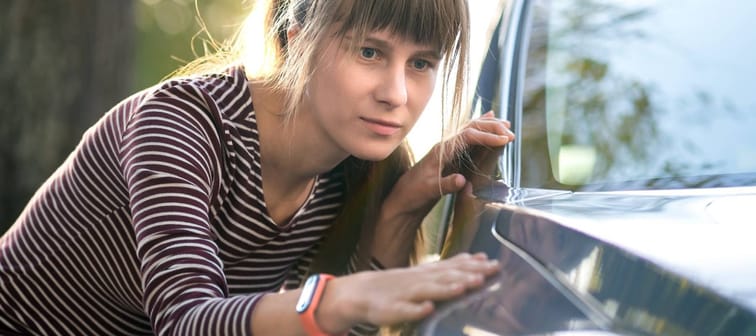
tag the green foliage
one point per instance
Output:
(173, 32)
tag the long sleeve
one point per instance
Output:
(171, 160)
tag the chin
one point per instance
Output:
(375, 153)
(374, 157)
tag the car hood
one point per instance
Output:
(704, 236)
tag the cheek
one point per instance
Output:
(422, 92)
(323, 87)
(338, 83)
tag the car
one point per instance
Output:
(627, 203)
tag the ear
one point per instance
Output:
(293, 31)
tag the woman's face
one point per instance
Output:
(365, 102)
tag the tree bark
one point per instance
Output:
(63, 64)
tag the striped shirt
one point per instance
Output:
(157, 224)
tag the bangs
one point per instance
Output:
(428, 22)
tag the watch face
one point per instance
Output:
(307, 293)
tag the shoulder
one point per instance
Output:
(217, 94)
(204, 96)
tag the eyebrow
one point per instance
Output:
(385, 45)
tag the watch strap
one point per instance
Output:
(307, 317)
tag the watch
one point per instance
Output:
(308, 302)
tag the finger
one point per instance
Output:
(440, 291)
(451, 277)
(474, 136)
(412, 311)
(467, 190)
(440, 284)
(487, 132)
(488, 115)
(465, 257)
(496, 126)
(452, 183)
(477, 263)
(446, 284)
(490, 119)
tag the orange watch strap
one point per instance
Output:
(308, 316)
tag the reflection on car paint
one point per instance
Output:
(554, 278)
(517, 301)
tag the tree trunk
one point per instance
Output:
(62, 65)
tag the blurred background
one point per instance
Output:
(64, 63)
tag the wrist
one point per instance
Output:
(395, 237)
(393, 220)
(405, 204)
(330, 312)
(338, 310)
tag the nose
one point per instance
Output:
(392, 89)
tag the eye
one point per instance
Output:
(420, 64)
(368, 53)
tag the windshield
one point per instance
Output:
(640, 94)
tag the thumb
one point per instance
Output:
(452, 183)
(468, 189)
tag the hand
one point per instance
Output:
(420, 188)
(390, 297)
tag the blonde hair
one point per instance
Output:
(261, 46)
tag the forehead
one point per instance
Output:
(434, 23)
(389, 40)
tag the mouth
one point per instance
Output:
(381, 127)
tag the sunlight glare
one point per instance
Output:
(427, 130)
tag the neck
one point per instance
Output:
(293, 152)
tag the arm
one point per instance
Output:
(170, 157)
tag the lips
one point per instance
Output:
(381, 127)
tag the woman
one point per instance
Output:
(200, 206)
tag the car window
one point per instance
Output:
(639, 95)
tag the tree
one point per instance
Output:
(63, 64)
